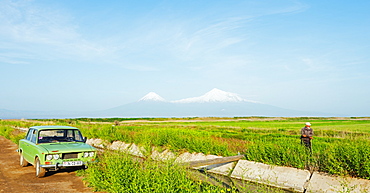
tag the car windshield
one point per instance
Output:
(59, 135)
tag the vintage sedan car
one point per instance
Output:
(54, 147)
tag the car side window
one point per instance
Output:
(29, 134)
(74, 134)
(70, 133)
(33, 136)
(78, 135)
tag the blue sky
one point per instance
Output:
(94, 55)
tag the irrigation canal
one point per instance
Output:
(233, 183)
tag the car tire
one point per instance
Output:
(40, 172)
(22, 161)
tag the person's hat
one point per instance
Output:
(308, 124)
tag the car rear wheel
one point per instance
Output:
(40, 172)
(22, 161)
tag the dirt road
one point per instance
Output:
(16, 179)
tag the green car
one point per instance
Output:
(54, 147)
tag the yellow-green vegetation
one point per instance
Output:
(119, 172)
(9, 131)
(340, 146)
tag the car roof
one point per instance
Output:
(52, 127)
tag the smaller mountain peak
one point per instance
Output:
(152, 96)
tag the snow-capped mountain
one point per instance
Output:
(216, 103)
(152, 96)
(215, 95)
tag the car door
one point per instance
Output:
(25, 145)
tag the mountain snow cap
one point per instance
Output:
(152, 96)
(215, 95)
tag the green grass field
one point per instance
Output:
(340, 146)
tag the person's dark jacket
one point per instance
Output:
(306, 132)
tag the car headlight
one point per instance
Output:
(91, 154)
(56, 156)
(49, 157)
(86, 154)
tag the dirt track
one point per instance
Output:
(14, 178)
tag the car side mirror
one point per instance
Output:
(85, 139)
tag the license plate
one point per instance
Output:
(73, 163)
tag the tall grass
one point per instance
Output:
(119, 172)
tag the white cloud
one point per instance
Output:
(43, 33)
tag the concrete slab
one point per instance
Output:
(118, 145)
(322, 182)
(136, 150)
(223, 169)
(188, 157)
(97, 143)
(163, 156)
(184, 157)
(283, 177)
(198, 156)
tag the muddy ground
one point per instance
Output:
(14, 178)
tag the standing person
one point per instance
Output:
(306, 135)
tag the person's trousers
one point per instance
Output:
(306, 141)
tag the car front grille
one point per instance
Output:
(69, 155)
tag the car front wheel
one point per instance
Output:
(22, 161)
(40, 172)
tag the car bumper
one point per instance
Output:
(61, 165)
